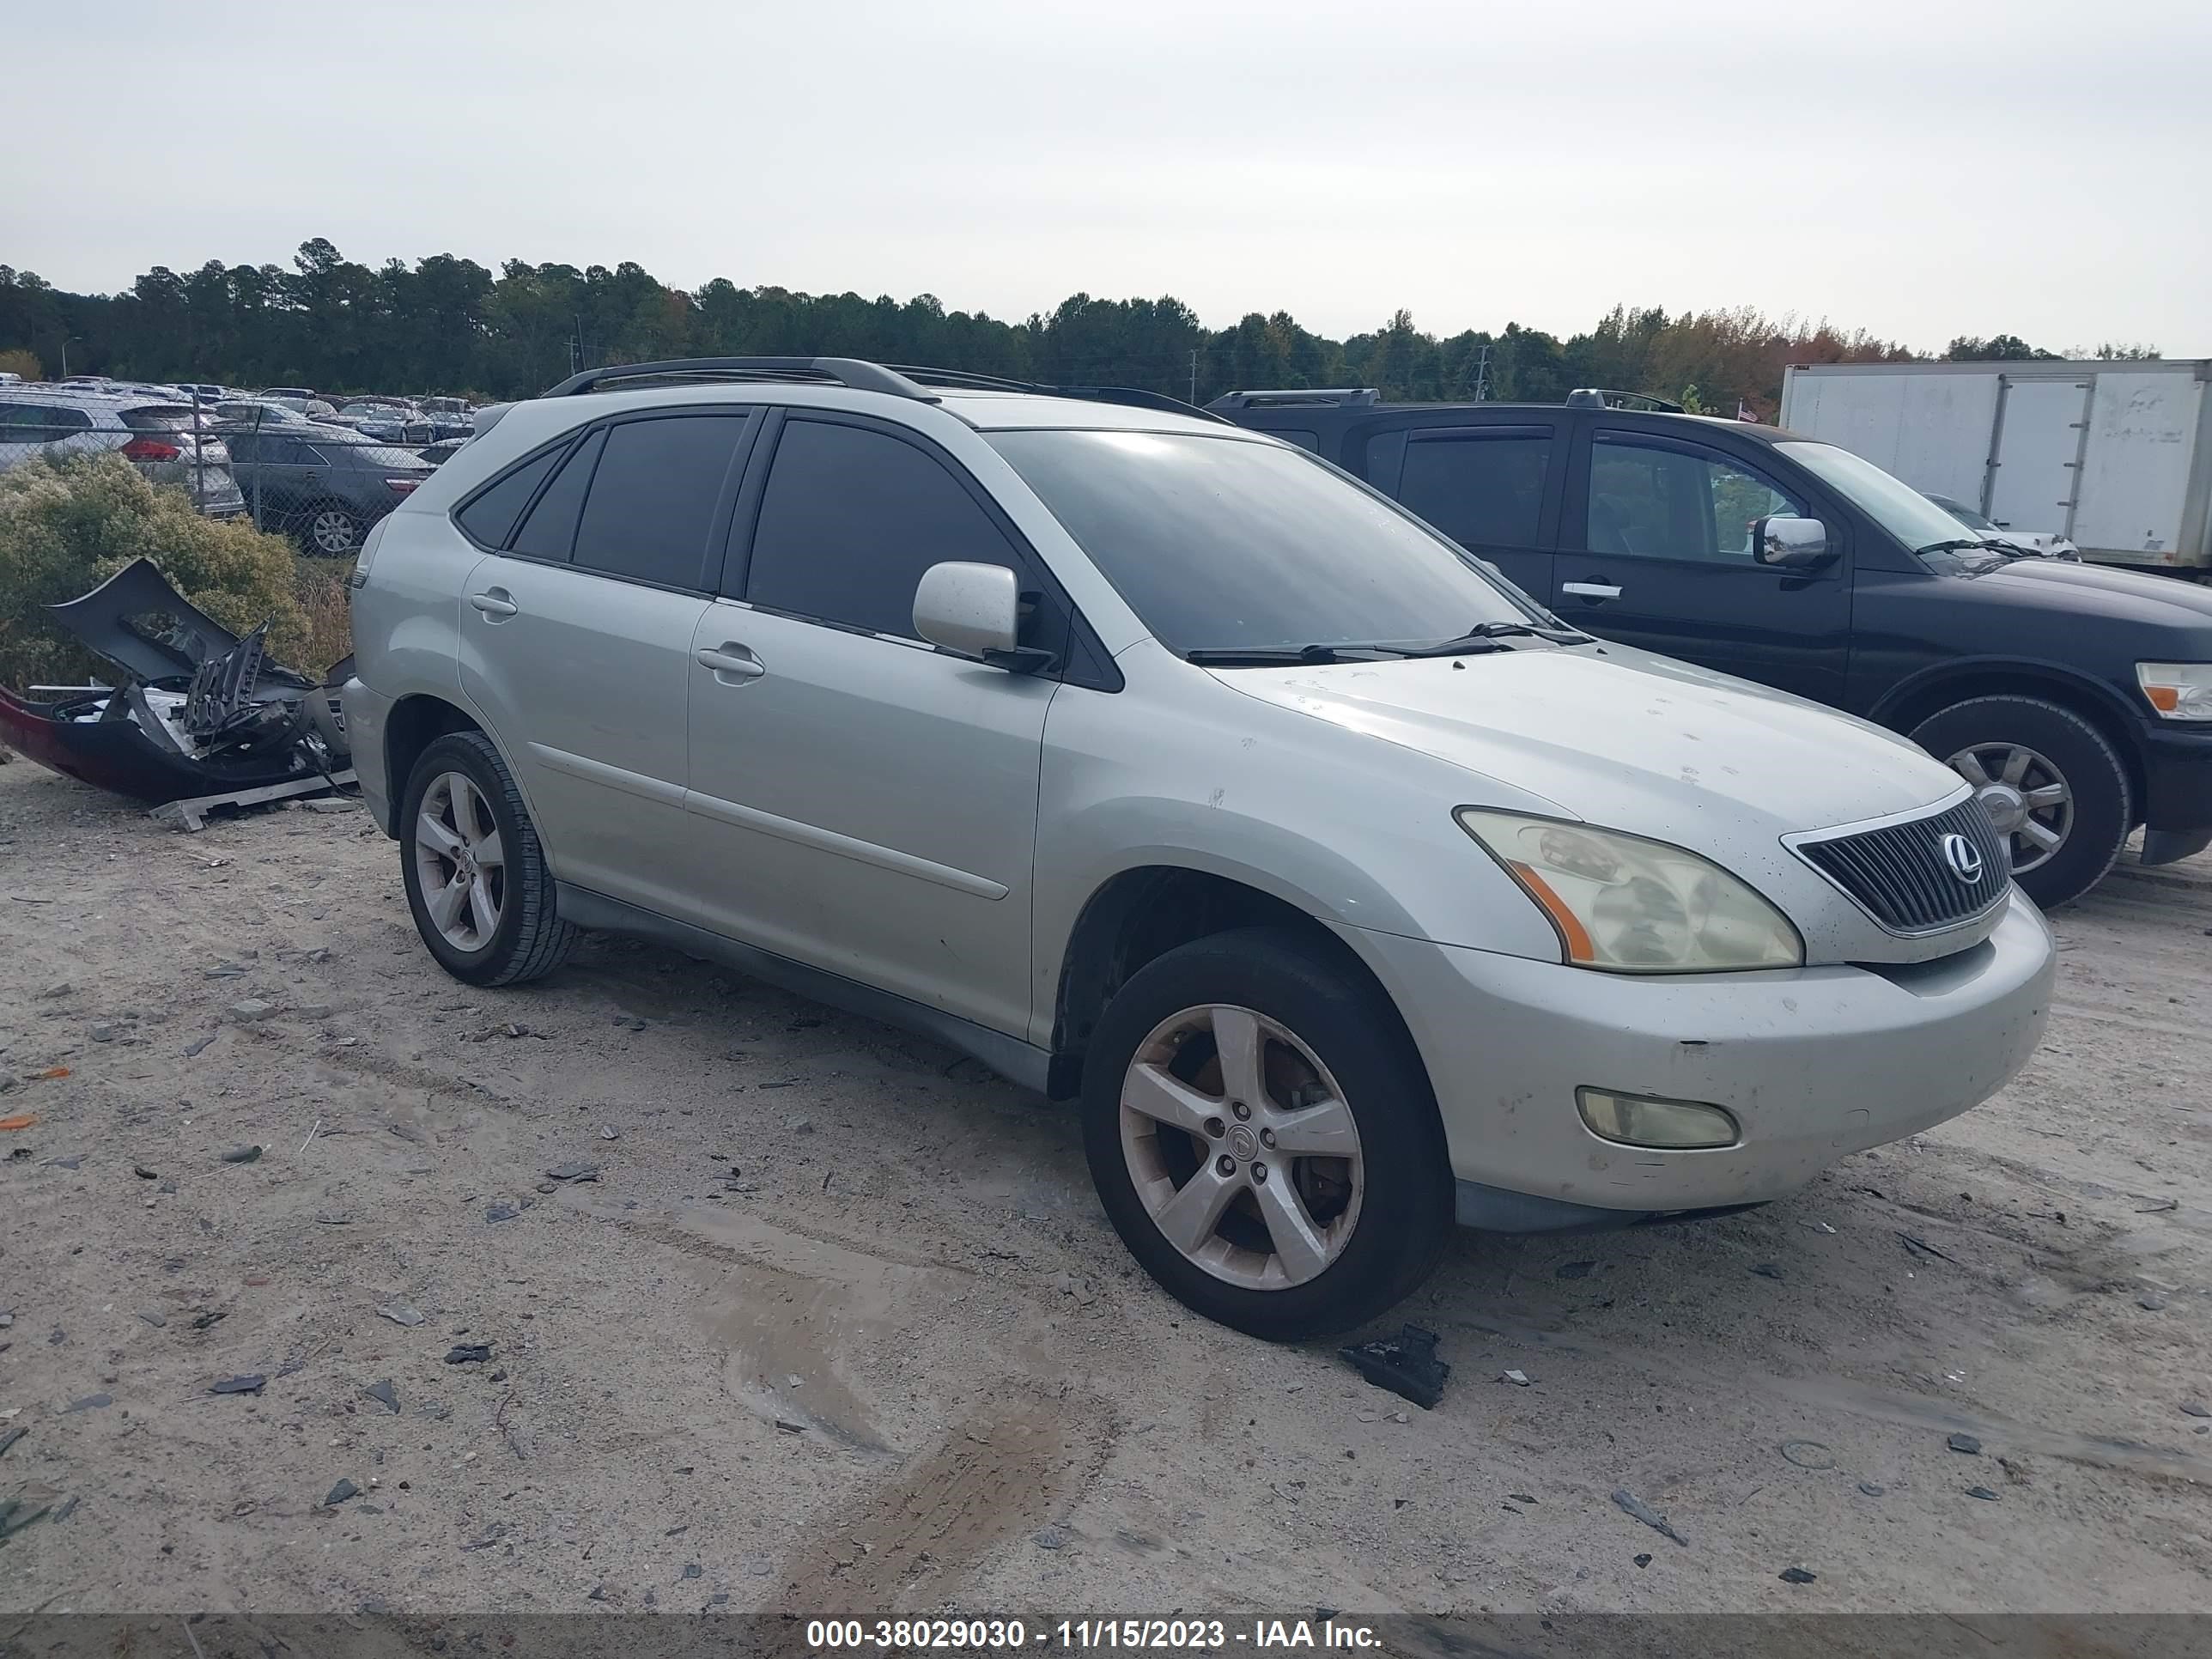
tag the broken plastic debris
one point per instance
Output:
(1406, 1364)
(1636, 1507)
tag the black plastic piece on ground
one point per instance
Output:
(1406, 1363)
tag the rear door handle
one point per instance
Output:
(731, 661)
(1590, 590)
(494, 604)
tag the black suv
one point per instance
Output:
(2077, 699)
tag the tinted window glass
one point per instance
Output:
(851, 519)
(1675, 504)
(1219, 542)
(36, 423)
(654, 496)
(1479, 489)
(549, 532)
(1303, 440)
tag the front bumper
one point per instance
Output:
(2176, 794)
(1814, 1063)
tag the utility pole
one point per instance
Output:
(1482, 374)
(1193, 375)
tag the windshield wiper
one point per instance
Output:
(1982, 545)
(1267, 656)
(1482, 638)
(1561, 635)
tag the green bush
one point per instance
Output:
(66, 527)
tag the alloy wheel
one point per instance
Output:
(1242, 1147)
(2026, 796)
(331, 531)
(460, 863)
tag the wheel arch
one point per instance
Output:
(1140, 914)
(1910, 702)
(415, 723)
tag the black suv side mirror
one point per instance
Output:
(1791, 543)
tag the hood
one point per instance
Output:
(1621, 738)
(2130, 595)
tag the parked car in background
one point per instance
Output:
(1154, 764)
(2077, 700)
(444, 450)
(298, 401)
(265, 410)
(162, 439)
(204, 390)
(2042, 542)
(449, 417)
(385, 421)
(322, 485)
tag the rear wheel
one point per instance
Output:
(476, 879)
(2052, 783)
(1263, 1137)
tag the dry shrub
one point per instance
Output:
(67, 526)
(320, 585)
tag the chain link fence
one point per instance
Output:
(321, 474)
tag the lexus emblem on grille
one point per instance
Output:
(1963, 858)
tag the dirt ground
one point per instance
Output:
(840, 1327)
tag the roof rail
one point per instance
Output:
(832, 371)
(1594, 397)
(1334, 397)
(1129, 397)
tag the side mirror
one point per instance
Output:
(1791, 543)
(976, 611)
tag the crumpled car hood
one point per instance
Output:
(1624, 738)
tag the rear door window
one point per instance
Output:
(549, 531)
(40, 423)
(654, 497)
(1481, 487)
(851, 519)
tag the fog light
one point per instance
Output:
(1639, 1120)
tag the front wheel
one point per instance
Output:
(2052, 783)
(1263, 1136)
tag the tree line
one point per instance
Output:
(448, 324)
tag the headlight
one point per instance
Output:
(1632, 906)
(2179, 691)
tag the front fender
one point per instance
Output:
(1353, 832)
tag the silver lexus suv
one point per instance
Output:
(1160, 766)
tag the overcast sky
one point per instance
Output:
(1920, 170)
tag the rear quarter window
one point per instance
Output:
(487, 517)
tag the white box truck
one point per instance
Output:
(2116, 456)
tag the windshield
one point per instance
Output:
(1896, 507)
(1965, 514)
(1219, 542)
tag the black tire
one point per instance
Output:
(2091, 769)
(531, 940)
(320, 527)
(1405, 1216)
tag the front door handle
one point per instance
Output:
(1590, 590)
(730, 662)
(494, 603)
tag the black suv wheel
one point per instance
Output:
(2052, 783)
